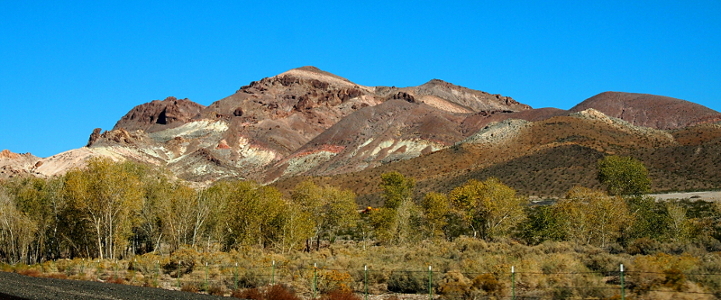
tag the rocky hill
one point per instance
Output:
(310, 123)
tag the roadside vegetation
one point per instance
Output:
(128, 223)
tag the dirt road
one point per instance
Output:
(710, 196)
(18, 287)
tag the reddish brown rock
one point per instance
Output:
(159, 115)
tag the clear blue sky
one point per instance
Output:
(67, 67)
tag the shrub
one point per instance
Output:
(488, 283)
(273, 292)
(340, 295)
(217, 289)
(408, 282)
(29, 272)
(56, 275)
(644, 246)
(116, 280)
(454, 286)
(252, 293)
(189, 287)
(280, 292)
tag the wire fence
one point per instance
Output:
(311, 280)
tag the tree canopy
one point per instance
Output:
(623, 175)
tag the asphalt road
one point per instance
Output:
(18, 287)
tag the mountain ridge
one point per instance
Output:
(309, 122)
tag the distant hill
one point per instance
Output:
(650, 110)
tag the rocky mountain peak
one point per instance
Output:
(10, 155)
(159, 115)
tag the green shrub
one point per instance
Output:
(408, 282)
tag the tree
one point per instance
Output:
(251, 215)
(292, 228)
(110, 197)
(17, 231)
(489, 207)
(177, 212)
(649, 217)
(396, 189)
(541, 225)
(679, 226)
(39, 200)
(623, 175)
(436, 208)
(330, 210)
(399, 211)
(589, 216)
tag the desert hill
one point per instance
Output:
(650, 110)
(546, 158)
(308, 123)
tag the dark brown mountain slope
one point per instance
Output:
(650, 110)
(393, 130)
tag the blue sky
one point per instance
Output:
(67, 67)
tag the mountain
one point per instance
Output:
(308, 123)
(287, 125)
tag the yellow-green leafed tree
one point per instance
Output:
(489, 207)
(397, 220)
(17, 230)
(292, 228)
(436, 208)
(109, 195)
(679, 225)
(624, 175)
(589, 216)
(251, 213)
(330, 210)
(177, 212)
(39, 200)
(212, 212)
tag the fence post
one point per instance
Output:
(157, 273)
(177, 273)
(513, 282)
(623, 288)
(315, 278)
(235, 277)
(430, 283)
(115, 267)
(272, 274)
(365, 281)
(206, 276)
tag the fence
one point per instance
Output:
(506, 282)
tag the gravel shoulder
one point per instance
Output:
(16, 286)
(710, 196)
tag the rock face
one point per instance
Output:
(653, 111)
(159, 115)
(14, 164)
